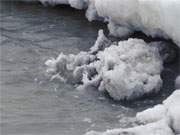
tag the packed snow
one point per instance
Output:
(163, 119)
(126, 70)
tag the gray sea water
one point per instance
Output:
(30, 104)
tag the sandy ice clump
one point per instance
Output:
(126, 70)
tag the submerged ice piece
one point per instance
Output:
(126, 70)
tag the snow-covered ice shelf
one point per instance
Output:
(163, 119)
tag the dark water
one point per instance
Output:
(30, 103)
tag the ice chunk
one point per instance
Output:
(91, 13)
(130, 69)
(177, 82)
(79, 4)
(101, 43)
(118, 30)
(172, 105)
(126, 70)
(88, 120)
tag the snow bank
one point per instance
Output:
(163, 119)
(153, 17)
(126, 70)
(177, 82)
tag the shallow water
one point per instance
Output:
(30, 103)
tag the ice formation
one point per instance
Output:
(153, 17)
(126, 70)
(177, 82)
(163, 119)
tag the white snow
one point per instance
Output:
(168, 111)
(177, 82)
(153, 17)
(79, 4)
(154, 114)
(163, 119)
(130, 69)
(126, 70)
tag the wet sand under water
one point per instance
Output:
(30, 103)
